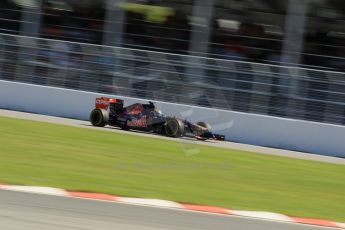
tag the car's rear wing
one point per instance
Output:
(105, 102)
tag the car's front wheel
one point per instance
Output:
(174, 127)
(206, 126)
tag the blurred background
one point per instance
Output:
(282, 58)
(253, 30)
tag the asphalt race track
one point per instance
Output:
(19, 211)
(230, 145)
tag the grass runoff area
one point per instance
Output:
(42, 154)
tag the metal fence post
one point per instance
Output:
(293, 47)
(2, 56)
(294, 31)
(202, 27)
(31, 19)
(198, 45)
(113, 29)
(113, 23)
(30, 26)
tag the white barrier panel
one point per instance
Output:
(325, 139)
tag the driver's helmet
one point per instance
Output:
(159, 112)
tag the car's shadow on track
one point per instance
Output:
(147, 133)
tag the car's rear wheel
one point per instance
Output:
(99, 117)
(174, 127)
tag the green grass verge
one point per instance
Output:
(36, 153)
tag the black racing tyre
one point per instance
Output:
(99, 117)
(205, 125)
(174, 127)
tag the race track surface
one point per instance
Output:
(28, 211)
(230, 145)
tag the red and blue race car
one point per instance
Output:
(146, 117)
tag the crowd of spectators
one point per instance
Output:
(72, 24)
(250, 42)
(10, 16)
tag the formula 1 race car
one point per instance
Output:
(146, 117)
